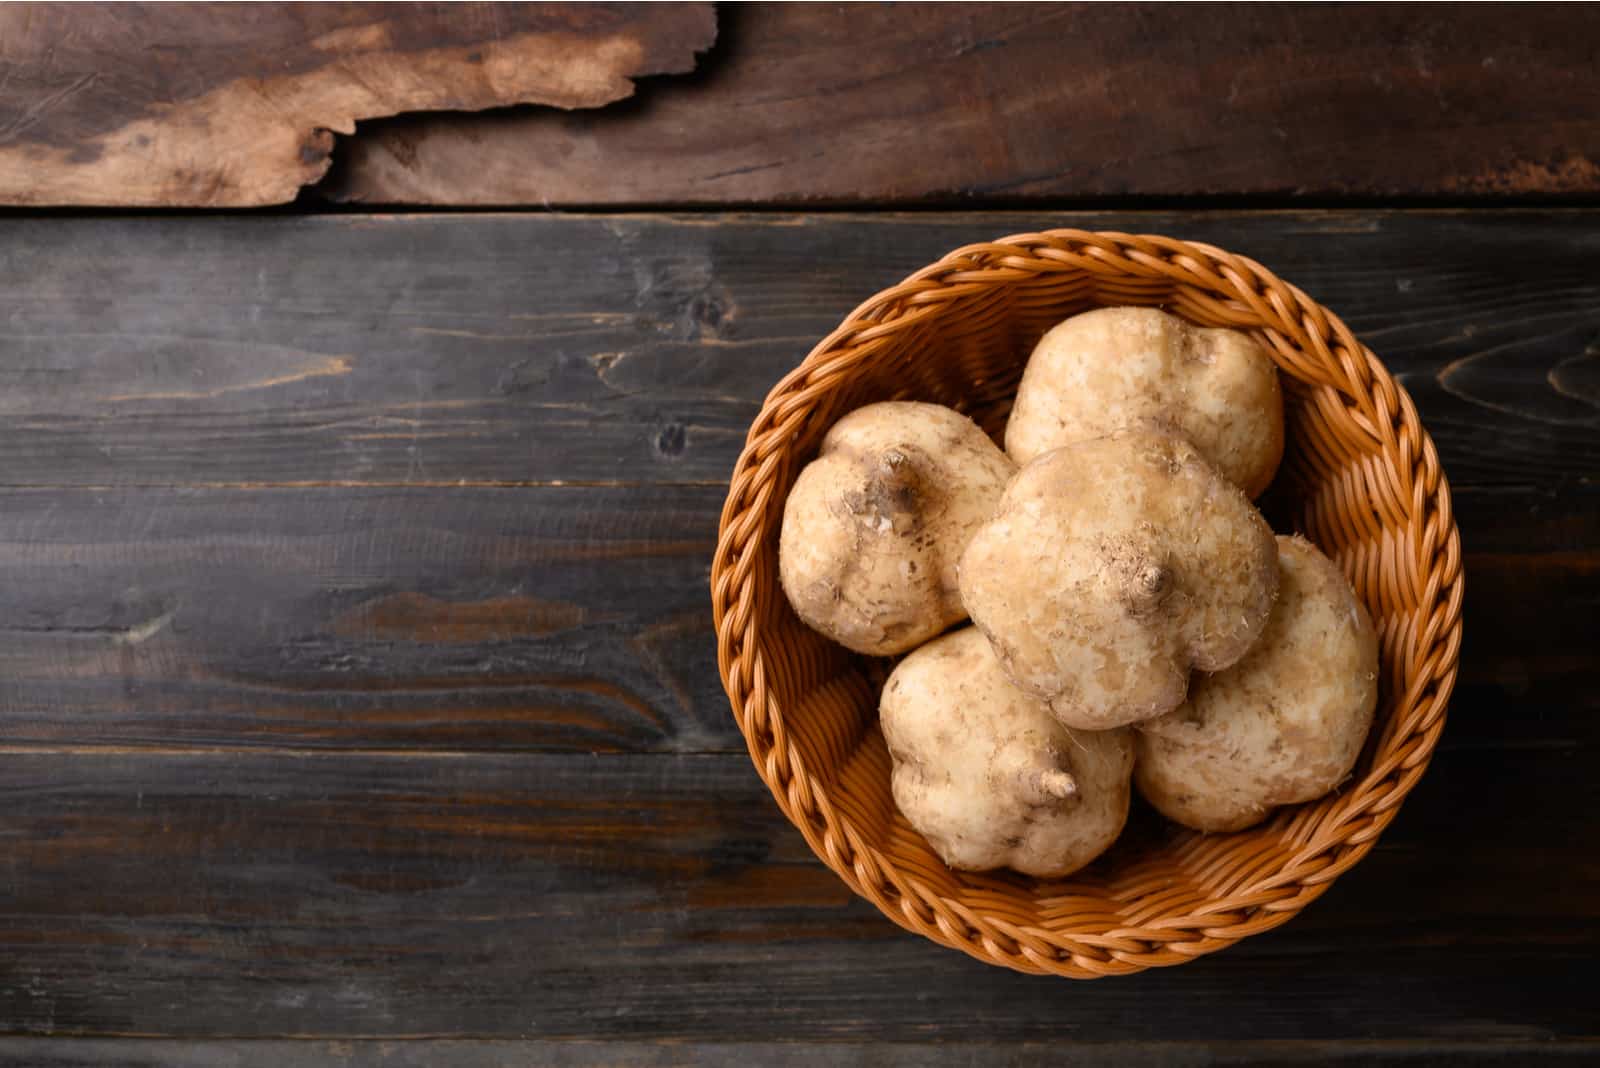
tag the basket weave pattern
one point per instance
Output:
(1360, 478)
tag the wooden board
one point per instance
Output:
(550, 896)
(950, 103)
(510, 350)
(441, 481)
(553, 618)
(216, 105)
(357, 679)
(672, 1053)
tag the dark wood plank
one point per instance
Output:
(551, 618)
(516, 349)
(889, 103)
(491, 1053)
(218, 105)
(1528, 668)
(529, 896)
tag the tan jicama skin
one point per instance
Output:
(988, 776)
(875, 524)
(1285, 724)
(1113, 567)
(1116, 367)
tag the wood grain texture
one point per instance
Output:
(546, 896)
(890, 103)
(519, 349)
(216, 105)
(356, 678)
(550, 618)
(569, 619)
(466, 495)
(511, 1053)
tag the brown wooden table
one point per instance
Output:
(357, 685)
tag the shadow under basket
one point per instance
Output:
(1360, 478)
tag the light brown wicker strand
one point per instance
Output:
(1376, 499)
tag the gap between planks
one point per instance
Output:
(462, 483)
(554, 483)
(343, 752)
(697, 213)
(617, 1051)
(90, 749)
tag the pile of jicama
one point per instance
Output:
(1133, 619)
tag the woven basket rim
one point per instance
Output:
(1306, 340)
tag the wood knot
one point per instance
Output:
(672, 440)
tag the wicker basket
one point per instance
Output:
(1360, 478)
